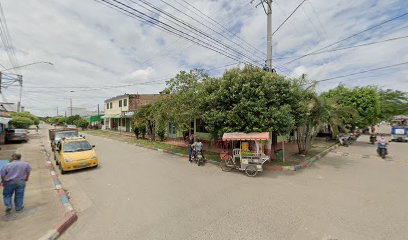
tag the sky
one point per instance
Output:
(98, 53)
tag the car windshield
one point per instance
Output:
(61, 135)
(77, 146)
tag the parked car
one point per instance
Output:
(75, 153)
(14, 135)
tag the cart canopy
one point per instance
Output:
(246, 136)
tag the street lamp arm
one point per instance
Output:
(25, 65)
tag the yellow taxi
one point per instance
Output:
(75, 153)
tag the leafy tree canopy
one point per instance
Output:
(365, 100)
(33, 118)
(393, 102)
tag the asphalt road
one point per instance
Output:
(143, 194)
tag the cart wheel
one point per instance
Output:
(251, 171)
(224, 167)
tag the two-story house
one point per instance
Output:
(119, 110)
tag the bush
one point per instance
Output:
(72, 119)
(82, 123)
(34, 119)
(136, 131)
(22, 122)
(142, 129)
(161, 132)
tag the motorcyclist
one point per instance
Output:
(198, 148)
(382, 143)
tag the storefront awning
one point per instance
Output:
(246, 136)
(112, 116)
(4, 120)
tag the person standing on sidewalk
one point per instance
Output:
(190, 142)
(14, 175)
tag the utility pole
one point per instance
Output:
(20, 79)
(267, 7)
(70, 100)
(57, 112)
(98, 109)
(1, 75)
(269, 34)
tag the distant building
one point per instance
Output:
(5, 109)
(119, 110)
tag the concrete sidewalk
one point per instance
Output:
(42, 209)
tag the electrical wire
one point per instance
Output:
(293, 12)
(351, 36)
(361, 72)
(168, 28)
(195, 29)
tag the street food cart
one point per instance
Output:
(247, 153)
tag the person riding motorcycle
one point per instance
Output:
(382, 144)
(197, 148)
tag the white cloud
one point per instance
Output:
(94, 46)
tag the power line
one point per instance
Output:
(168, 28)
(365, 71)
(293, 12)
(195, 29)
(221, 26)
(208, 27)
(354, 46)
(356, 34)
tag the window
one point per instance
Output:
(120, 103)
(125, 102)
(107, 106)
(200, 127)
(110, 105)
(77, 146)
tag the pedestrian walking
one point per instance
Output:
(14, 176)
(190, 142)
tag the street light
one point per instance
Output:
(20, 79)
(29, 64)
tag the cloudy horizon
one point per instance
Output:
(99, 49)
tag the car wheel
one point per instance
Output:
(61, 170)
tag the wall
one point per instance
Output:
(115, 106)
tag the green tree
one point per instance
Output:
(393, 102)
(22, 122)
(34, 118)
(182, 96)
(365, 100)
(250, 100)
(72, 119)
(81, 123)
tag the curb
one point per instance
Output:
(70, 215)
(305, 163)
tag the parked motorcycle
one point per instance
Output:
(344, 141)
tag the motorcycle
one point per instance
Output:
(382, 150)
(344, 141)
(198, 158)
(373, 138)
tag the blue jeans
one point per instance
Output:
(17, 188)
(190, 152)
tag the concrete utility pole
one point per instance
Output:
(269, 34)
(1, 80)
(70, 100)
(98, 109)
(20, 79)
(57, 111)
